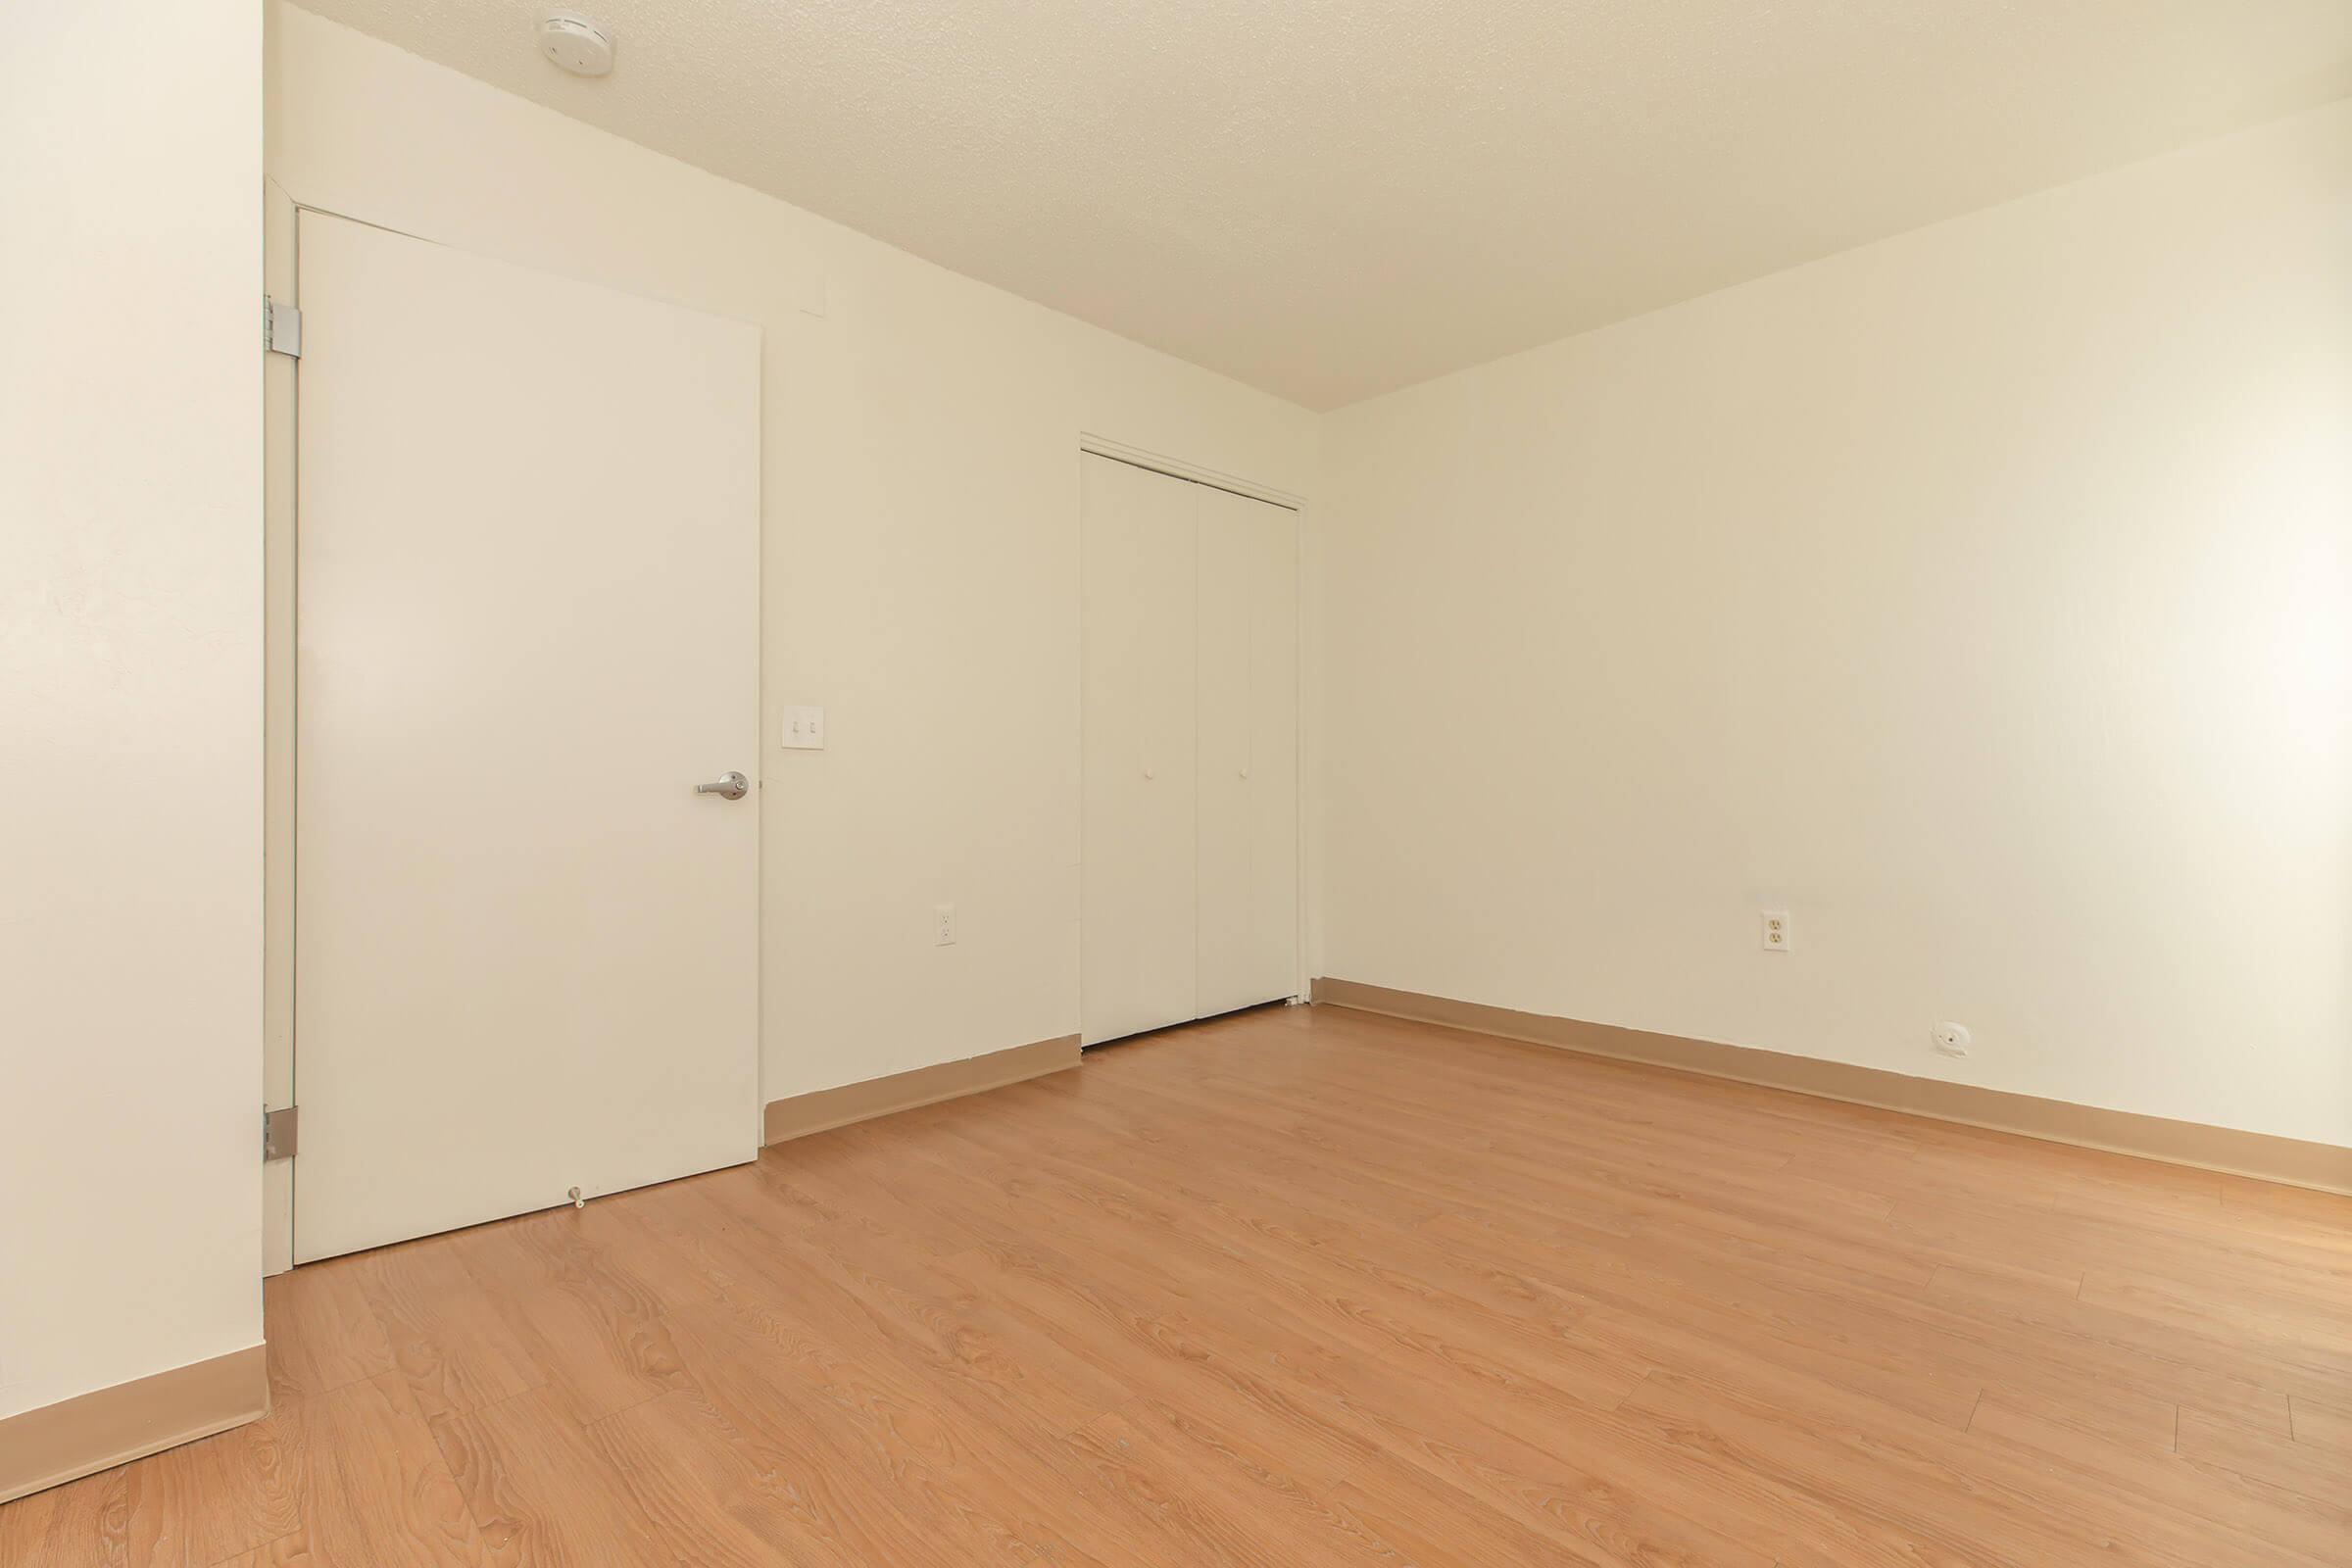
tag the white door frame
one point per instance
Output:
(1103, 446)
(280, 222)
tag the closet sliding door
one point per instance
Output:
(1248, 717)
(1139, 819)
(1190, 726)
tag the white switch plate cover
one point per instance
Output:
(804, 729)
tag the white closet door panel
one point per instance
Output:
(1136, 719)
(1248, 702)
(526, 950)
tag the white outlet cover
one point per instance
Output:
(1953, 1039)
(1777, 935)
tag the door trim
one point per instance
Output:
(281, 450)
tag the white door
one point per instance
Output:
(525, 946)
(1138, 758)
(1249, 725)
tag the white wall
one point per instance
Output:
(1983, 596)
(921, 574)
(130, 644)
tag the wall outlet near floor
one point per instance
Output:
(1951, 1038)
(1777, 935)
(943, 925)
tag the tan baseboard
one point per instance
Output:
(2323, 1167)
(107, 1426)
(827, 1109)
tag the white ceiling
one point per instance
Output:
(1333, 198)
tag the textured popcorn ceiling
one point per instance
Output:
(1333, 198)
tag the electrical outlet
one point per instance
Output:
(1777, 934)
(1951, 1038)
(943, 925)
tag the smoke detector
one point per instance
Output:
(579, 45)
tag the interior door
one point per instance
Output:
(525, 946)
(1137, 746)
(1248, 729)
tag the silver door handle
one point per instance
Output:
(731, 786)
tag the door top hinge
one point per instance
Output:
(281, 328)
(280, 1130)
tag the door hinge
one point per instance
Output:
(281, 1132)
(281, 328)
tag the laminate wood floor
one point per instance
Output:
(1310, 1287)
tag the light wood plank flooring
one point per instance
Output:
(1310, 1287)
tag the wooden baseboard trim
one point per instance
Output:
(2324, 1168)
(110, 1426)
(827, 1109)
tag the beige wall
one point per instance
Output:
(1982, 597)
(130, 645)
(922, 506)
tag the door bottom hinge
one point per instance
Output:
(281, 328)
(281, 1132)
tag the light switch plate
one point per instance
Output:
(804, 729)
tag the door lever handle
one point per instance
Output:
(727, 786)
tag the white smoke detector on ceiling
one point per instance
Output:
(577, 43)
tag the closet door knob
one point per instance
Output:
(1245, 775)
(1148, 774)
